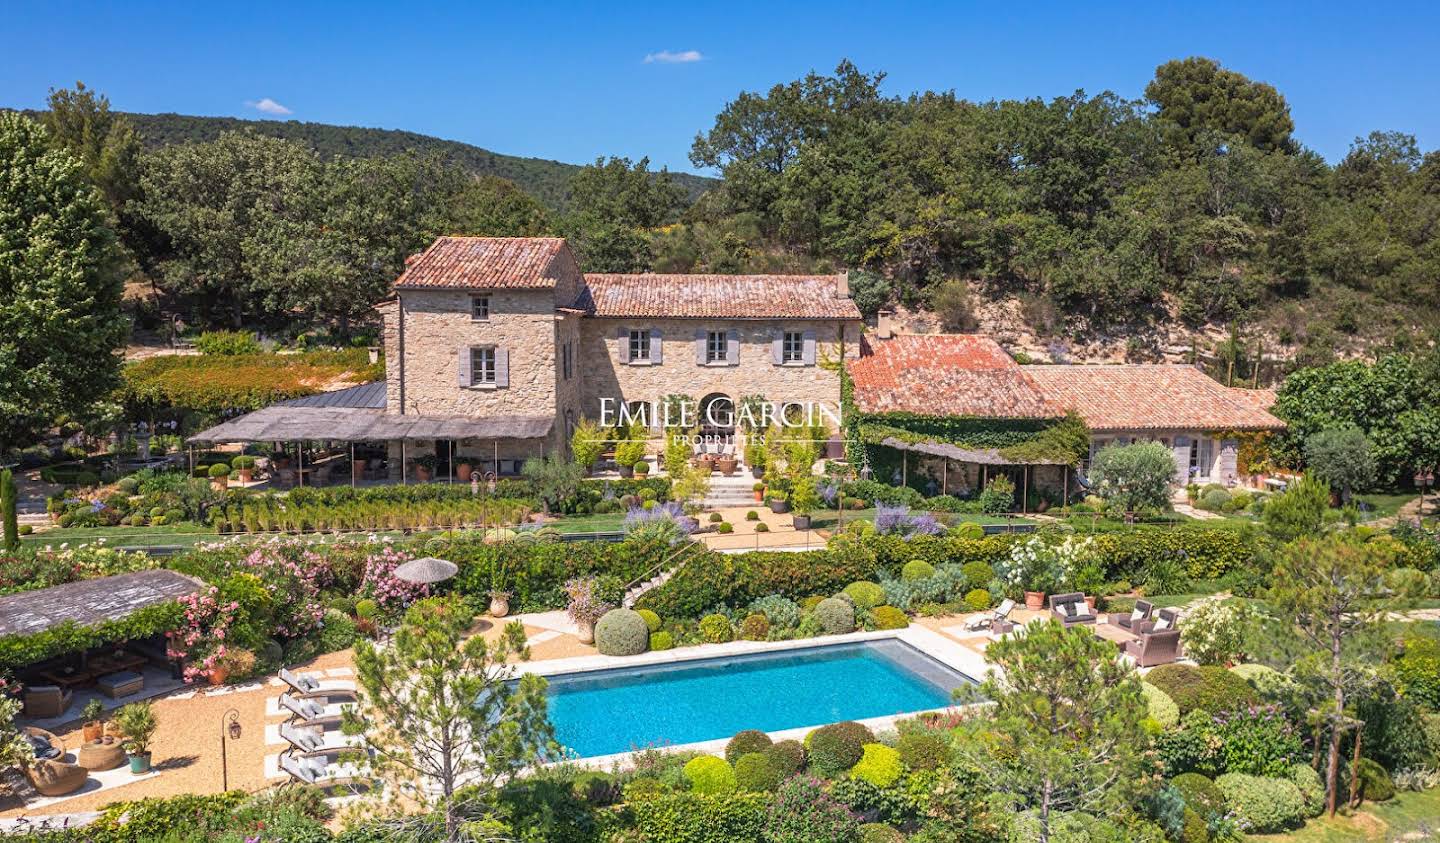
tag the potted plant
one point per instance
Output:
(779, 501)
(1031, 568)
(630, 449)
(642, 469)
(424, 466)
(803, 500)
(219, 476)
(137, 726)
(463, 470)
(499, 594)
(755, 456)
(238, 662)
(280, 459)
(759, 490)
(94, 728)
(727, 465)
(245, 467)
(585, 607)
(835, 448)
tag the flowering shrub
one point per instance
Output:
(1040, 564)
(201, 638)
(897, 521)
(665, 521)
(381, 585)
(1214, 631)
(294, 585)
(585, 605)
(24, 570)
(1257, 740)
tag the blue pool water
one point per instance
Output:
(609, 711)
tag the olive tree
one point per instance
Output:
(1341, 456)
(1134, 477)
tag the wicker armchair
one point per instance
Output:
(46, 701)
(1154, 648)
(1144, 610)
(1164, 621)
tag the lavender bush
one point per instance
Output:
(664, 521)
(898, 521)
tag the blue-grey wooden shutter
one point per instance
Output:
(777, 347)
(809, 349)
(657, 355)
(700, 346)
(732, 347)
(622, 338)
(464, 356)
(502, 367)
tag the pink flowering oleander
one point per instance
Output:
(381, 584)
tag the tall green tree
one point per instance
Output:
(613, 203)
(61, 280)
(1134, 477)
(106, 145)
(1066, 726)
(1341, 457)
(9, 502)
(1198, 95)
(1299, 511)
(440, 709)
(1330, 590)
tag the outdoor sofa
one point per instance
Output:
(1072, 609)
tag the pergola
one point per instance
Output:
(984, 457)
(306, 420)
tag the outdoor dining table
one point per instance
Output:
(74, 679)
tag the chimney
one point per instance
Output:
(884, 327)
(842, 285)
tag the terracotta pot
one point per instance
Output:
(220, 484)
(1035, 600)
(218, 675)
(247, 475)
(422, 474)
(643, 473)
(760, 496)
(112, 730)
(93, 731)
(587, 632)
(1090, 601)
(463, 472)
(499, 605)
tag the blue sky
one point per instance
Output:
(571, 81)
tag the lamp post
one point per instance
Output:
(229, 728)
(1424, 479)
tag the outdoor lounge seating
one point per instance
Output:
(302, 684)
(309, 711)
(999, 617)
(1142, 612)
(42, 701)
(310, 686)
(307, 740)
(318, 770)
(56, 778)
(1164, 620)
(1154, 648)
(46, 744)
(1072, 609)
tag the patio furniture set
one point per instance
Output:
(1152, 638)
(716, 456)
(51, 686)
(51, 775)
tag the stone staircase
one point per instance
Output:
(737, 490)
(670, 568)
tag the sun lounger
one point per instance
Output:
(317, 770)
(310, 712)
(1000, 616)
(310, 686)
(308, 741)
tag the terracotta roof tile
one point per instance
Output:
(716, 296)
(945, 375)
(473, 263)
(1151, 397)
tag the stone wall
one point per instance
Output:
(605, 376)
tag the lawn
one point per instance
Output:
(176, 534)
(1383, 505)
(587, 523)
(1409, 816)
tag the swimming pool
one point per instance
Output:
(622, 709)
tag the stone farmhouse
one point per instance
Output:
(496, 347)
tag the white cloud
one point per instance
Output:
(267, 106)
(673, 57)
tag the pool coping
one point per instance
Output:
(927, 641)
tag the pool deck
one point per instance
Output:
(939, 647)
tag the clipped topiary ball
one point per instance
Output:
(879, 765)
(750, 740)
(969, 530)
(762, 527)
(1311, 787)
(865, 594)
(1375, 783)
(755, 628)
(1209, 688)
(622, 632)
(835, 748)
(1162, 709)
(917, 569)
(754, 771)
(651, 619)
(1262, 805)
(978, 573)
(716, 518)
(977, 599)
(923, 750)
(1200, 794)
(716, 629)
(889, 617)
(836, 616)
(662, 641)
(788, 757)
(708, 774)
(752, 515)
(724, 527)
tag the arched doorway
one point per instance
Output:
(717, 416)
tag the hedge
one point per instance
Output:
(1212, 689)
(535, 572)
(740, 579)
(698, 818)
